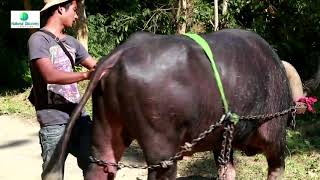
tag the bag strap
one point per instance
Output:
(61, 45)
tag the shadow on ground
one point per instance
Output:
(134, 155)
(11, 144)
(199, 167)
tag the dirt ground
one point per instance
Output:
(20, 154)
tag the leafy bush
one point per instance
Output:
(108, 30)
(292, 27)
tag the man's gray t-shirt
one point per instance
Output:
(54, 102)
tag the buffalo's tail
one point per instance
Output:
(55, 167)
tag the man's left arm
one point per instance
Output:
(89, 63)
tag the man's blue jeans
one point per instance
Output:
(79, 144)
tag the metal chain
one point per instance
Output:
(225, 154)
(264, 117)
(164, 164)
(229, 145)
(188, 146)
(222, 157)
(102, 163)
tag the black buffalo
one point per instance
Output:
(160, 90)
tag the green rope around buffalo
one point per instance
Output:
(205, 46)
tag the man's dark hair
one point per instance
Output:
(49, 12)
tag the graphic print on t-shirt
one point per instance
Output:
(61, 94)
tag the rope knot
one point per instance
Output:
(234, 118)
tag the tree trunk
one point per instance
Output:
(216, 12)
(81, 27)
(182, 13)
(225, 7)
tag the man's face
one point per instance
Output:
(70, 14)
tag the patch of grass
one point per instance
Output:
(82, 88)
(303, 166)
(199, 164)
(299, 166)
(16, 102)
(302, 161)
(254, 167)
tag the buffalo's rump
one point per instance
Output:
(164, 91)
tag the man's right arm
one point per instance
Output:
(54, 76)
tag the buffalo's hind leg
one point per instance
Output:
(158, 148)
(273, 144)
(276, 164)
(109, 141)
(108, 148)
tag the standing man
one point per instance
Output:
(55, 92)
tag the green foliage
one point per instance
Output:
(202, 17)
(292, 27)
(297, 143)
(100, 41)
(110, 29)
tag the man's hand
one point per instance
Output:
(88, 74)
